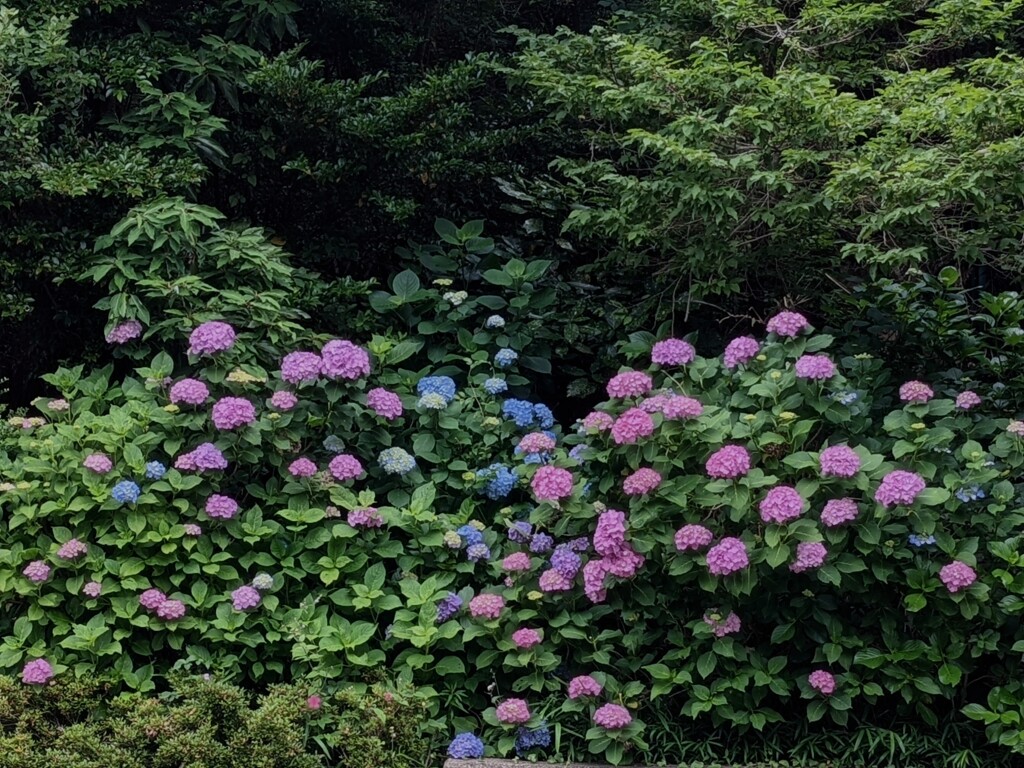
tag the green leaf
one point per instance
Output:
(405, 284)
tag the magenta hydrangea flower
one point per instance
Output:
(584, 685)
(245, 598)
(740, 351)
(957, 575)
(655, 403)
(631, 426)
(365, 517)
(815, 367)
(191, 529)
(899, 487)
(809, 554)
(594, 573)
(92, 589)
(189, 391)
(211, 338)
(823, 682)
(299, 367)
(513, 712)
(526, 638)
(641, 482)
(124, 332)
(610, 533)
(916, 392)
(673, 352)
(612, 717)
(624, 563)
(727, 556)
(728, 462)
(486, 606)
(693, 537)
(788, 324)
(629, 384)
(553, 580)
(682, 407)
(723, 625)
(71, 549)
(839, 461)
(152, 599)
(302, 467)
(517, 561)
(596, 421)
(37, 672)
(536, 442)
(967, 400)
(551, 483)
(203, 457)
(170, 610)
(37, 571)
(233, 412)
(838, 511)
(99, 463)
(344, 360)
(223, 507)
(283, 400)
(384, 403)
(344, 467)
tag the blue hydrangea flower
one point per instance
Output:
(576, 454)
(846, 398)
(494, 321)
(501, 481)
(920, 541)
(531, 738)
(520, 411)
(520, 531)
(396, 461)
(495, 386)
(437, 385)
(155, 470)
(470, 535)
(541, 542)
(536, 458)
(433, 401)
(974, 493)
(505, 357)
(334, 444)
(126, 492)
(448, 607)
(565, 561)
(466, 746)
(545, 418)
(477, 552)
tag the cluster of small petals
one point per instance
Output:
(552, 580)
(566, 561)
(202, 457)
(191, 529)
(92, 589)
(967, 400)
(693, 537)
(513, 711)
(59, 406)
(125, 492)
(517, 561)
(37, 571)
(729, 462)
(631, 426)
(171, 610)
(815, 367)
(839, 461)
(629, 384)
(809, 554)
(642, 481)
(384, 403)
(594, 573)
(682, 407)
(655, 403)
(673, 352)
(344, 360)
(211, 338)
(916, 392)
(503, 358)
(610, 533)
(189, 391)
(299, 367)
(1016, 427)
(396, 461)
(541, 542)
(466, 746)
(302, 467)
(99, 463)
(283, 400)
(838, 511)
(551, 483)
(537, 442)
(486, 606)
(526, 638)
(37, 672)
(597, 421)
(722, 626)
(233, 412)
(788, 324)
(823, 682)
(899, 487)
(740, 350)
(520, 531)
(71, 549)
(365, 517)
(781, 504)
(584, 685)
(223, 507)
(344, 467)
(727, 556)
(625, 563)
(612, 717)
(152, 599)
(957, 575)
(245, 598)
(263, 582)
(124, 332)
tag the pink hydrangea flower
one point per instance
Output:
(1015, 428)
(59, 406)
(551, 483)
(727, 556)
(594, 573)
(233, 412)
(526, 638)
(513, 712)
(967, 400)
(899, 487)
(345, 467)
(283, 400)
(299, 367)
(384, 403)
(344, 360)
(823, 682)
(314, 703)
(957, 575)
(536, 442)
(597, 421)
(202, 457)
(92, 589)
(189, 391)
(722, 626)
(629, 384)
(631, 426)
(610, 533)
(517, 561)
(624, 563)
(839, 461)
(152, 599)
(124, 332)
(191, 529)
(916, 392)
(655, 403)
(788, 324)
(486, 606)
(584, 685)
(171, 610)
(641, 482)
(37, 571)
(223, 507)
(781, 504)
(693, 537)
(302, 467)
(815, 367)
(553, 580)
(740, 351)
(729, 462)
(673, 352)
(838, 511)
(71, 549)
(245, 598)
(682, 407)
(612, 717)
(99, 463)
(365, 517)
(37, 672)
(809, 554)
(211, 338)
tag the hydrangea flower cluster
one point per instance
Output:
(155, 470)
(365, 517)
(495, 386)
(189, 391)
(727, 557)
(899, 487)
(37, 571)
(823, 682)
(384, 403)
(211, 338)
(221, 507)
(283, 400)
(126, 492)
(344, 360)
(345, 467)
(629, 384)
(916, 392)
(641, 482)
(72, 549)
(597, 421)
(301, 367)
(466, 746)
(673, 352)
(693, 537)
(551, 483)
(838, 511)
(99, 463)
(302, 467)
(787, 324)
(631, 426)
(612, 717)
(245, 598)
(532, 738)
(839, 461)
(203, 457)
(505, 358)
(486, 606)
(809, 555)
(500, 481)
(513, 712)
(444, 386)
(526, 638)
(740, 351)
(37, 672)
(957, 575)
(526, 414)
(583, 686)
(232, 413)
(815, 368)
(967, 400)
(124, 332)
(448, 607)
(396, 461)
(781, 504)
(723, 625)
(729, 462)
